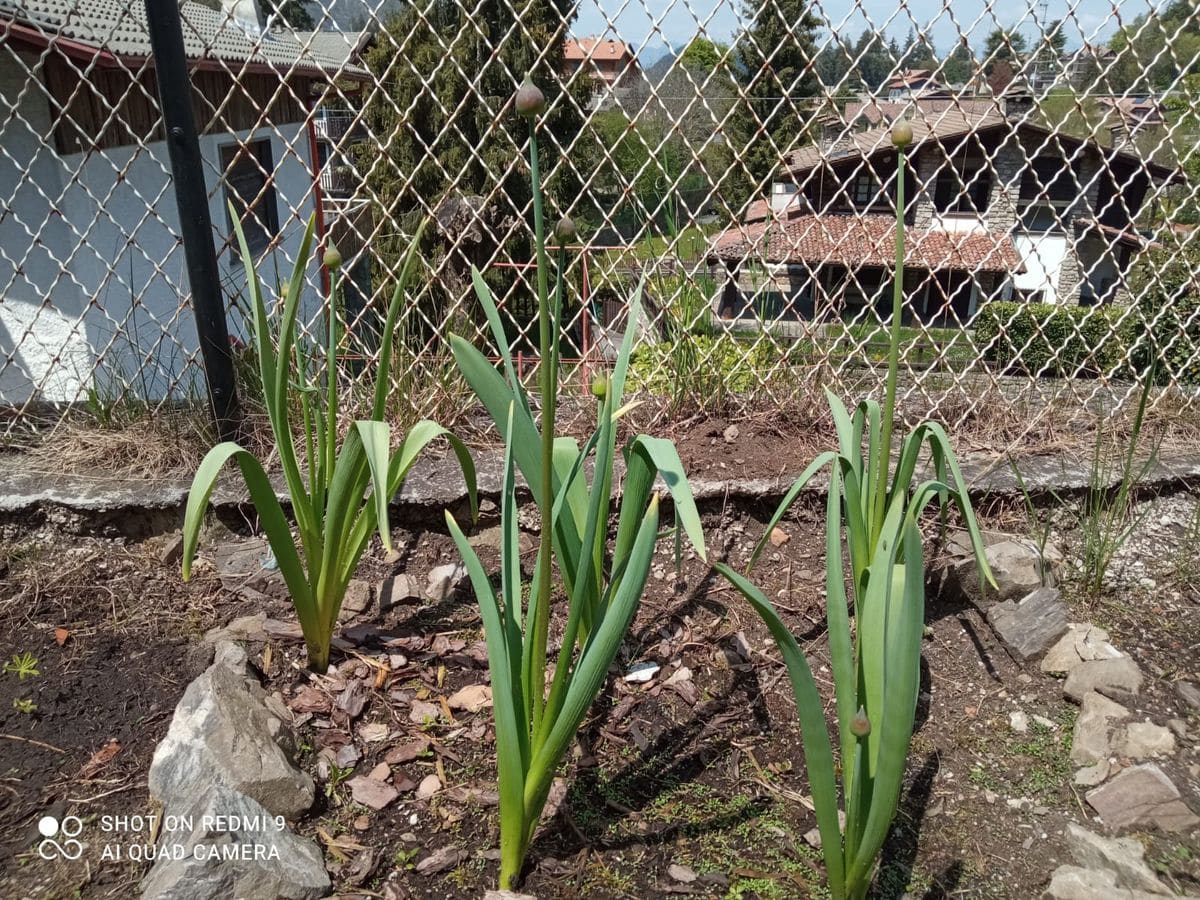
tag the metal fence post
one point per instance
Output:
(191, 197)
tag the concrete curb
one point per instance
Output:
(437, 484)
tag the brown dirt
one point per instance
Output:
(706, 774)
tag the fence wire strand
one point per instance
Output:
(732, 160)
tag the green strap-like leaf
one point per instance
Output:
(818, 752)
(665, 459)
(270, 515)
(899, 706)
(595, 658)
(507, 707)
(789, 498)
(376, 440)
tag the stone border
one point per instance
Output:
(437, 484)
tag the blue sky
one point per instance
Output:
(654, 23)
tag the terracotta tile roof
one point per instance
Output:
(857, 241)
(936, 125)
(595, 49)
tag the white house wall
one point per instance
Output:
(1043, 256)
(103, 304)
(42, 348)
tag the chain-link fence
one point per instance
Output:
(733, 158)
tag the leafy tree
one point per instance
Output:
(919, 52)
(773, 69)
(294, 13)
(835, 66)
(1003, 46)
(874, 63)
(1155, 51)
(959, 67)
(704, 55)
(445, 125)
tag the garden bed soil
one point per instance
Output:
(689, 784)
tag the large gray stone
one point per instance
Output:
(1017, 567)
(1145, 739)
(229, 846)
(1095, 729)
(1082, 643)
(1117, 678)
(1124, 857)
(1188, 693)
(1076, 883)
(1142, 796)
(1029, 627)
(227, 732)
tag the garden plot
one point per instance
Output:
(688, 775)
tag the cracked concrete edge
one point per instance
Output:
(438, 483)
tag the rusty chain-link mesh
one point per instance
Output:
(735, 160)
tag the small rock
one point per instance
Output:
(1075, 883)
(642, 672)
(398, 590)
(1048, 724)
(362, 823)
(381, 772)
(1188, 693)
(172, 551)
(731, 434)
(507, 895)
(1145, 739)
(1018, 722)
(442, 581)
(486, 539)
(372, 793)
(1142, 796)
(1124, 857)
(1094, 729)
(1115, 678)
(779, 537)
(429, 786)
(1179, 727)
(1031, 626)
(1090, 776)
(441, 860)
(374, 732)
(471, 698)
(422, 711)
(682, 874)
(359, 595)
(347, 756)
(406, 752)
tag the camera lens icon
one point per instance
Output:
(69, 829)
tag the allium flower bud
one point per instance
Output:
(599, 385)
(902, 134)
(860, 725)
(530, 101)
(332, 258)
(564, 230)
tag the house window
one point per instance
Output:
(963, 190)
(865, 189)
(250, 188)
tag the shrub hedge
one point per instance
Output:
(1166, 320)
(1045, 339)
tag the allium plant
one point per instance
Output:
(335, 515)
(538, 709)
(876, 664)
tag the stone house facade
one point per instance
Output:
(996, 208)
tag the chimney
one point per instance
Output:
(1017, 100)
(246, 15)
